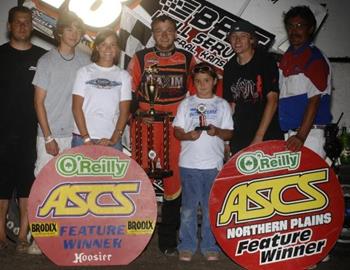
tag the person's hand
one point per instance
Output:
(105, 142)
(294, 143)
(257, 139)
(89, 142)
(194, 134)
(52, 148)
(212, 130)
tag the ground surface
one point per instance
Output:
(152, 259)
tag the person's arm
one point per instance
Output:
(39, 104)
(295, 142)
(181, 135)
(269, 111)
(79, 118)
(124, 108)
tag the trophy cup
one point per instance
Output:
(151, 88)
(201, 109)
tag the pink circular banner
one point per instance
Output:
(275, 209)
(92, 205)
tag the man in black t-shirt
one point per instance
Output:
(251, 86)
(17, 119)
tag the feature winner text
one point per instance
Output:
(281, 247)
(92, 237)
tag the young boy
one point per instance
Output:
(201, 158)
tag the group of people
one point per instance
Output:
(78, 101)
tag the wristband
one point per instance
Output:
(49, 139)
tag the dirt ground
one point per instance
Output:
(152, 259)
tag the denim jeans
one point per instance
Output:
(78, 140)
(196, 185)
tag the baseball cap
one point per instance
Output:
(242, 26)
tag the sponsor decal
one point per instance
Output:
(256, 162)
(42, 229)
(92, 205)
(275, 209)
(79, 165)
(140, 227)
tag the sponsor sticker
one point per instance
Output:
(275, 209)
(92, 205)
(140, 227)
(42, 229)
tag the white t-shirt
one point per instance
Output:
(102, 89)
(207, 152)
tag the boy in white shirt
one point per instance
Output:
(202, 124)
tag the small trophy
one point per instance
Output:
(152, 155)
(151, 88)
(201, 109)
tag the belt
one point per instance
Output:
(313, 127)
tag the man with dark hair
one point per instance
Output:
(173, 67)
(18, 121)
(53, 83)
(251, 86)
(305, 85)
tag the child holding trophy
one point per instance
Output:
(202, 123)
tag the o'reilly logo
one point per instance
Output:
(257, 162)
(79, 165)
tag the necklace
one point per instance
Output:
(66, 59)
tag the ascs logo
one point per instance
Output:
(81, 199)
(263, 198)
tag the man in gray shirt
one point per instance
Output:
(53, 83)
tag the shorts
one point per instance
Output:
(43, 156)
(17, 162)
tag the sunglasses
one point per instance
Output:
(296, 26)
(202, 69)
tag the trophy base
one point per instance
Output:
(158, 173)
(202, 128)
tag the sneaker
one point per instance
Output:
(212, 256)
(170, 252)
(326, 259)
(34, 249)
(22, 246)
(185, 256)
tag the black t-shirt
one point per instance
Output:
(17, 68)
(247, 86)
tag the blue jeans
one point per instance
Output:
(78, 140)
(196, 185)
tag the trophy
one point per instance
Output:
(151, 88)
(201, 109)
(152, 158)
(152, 155)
